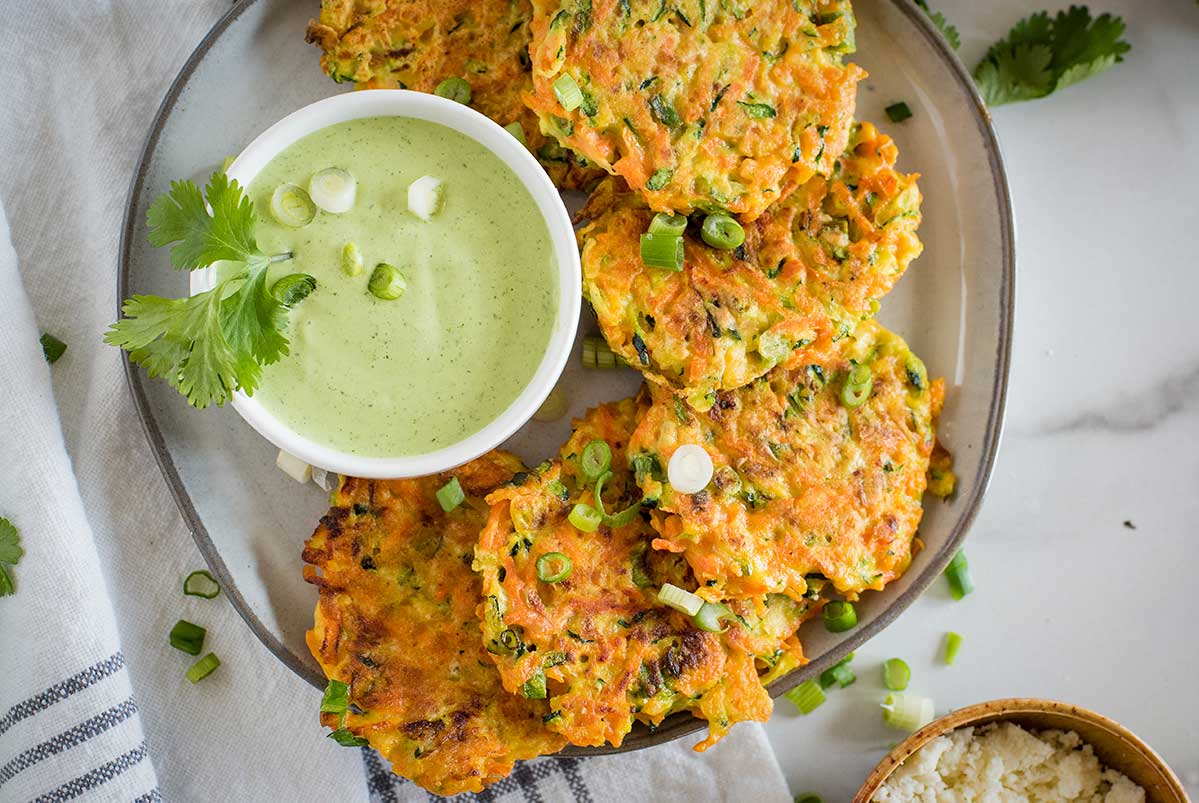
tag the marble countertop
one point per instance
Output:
(1084, 549)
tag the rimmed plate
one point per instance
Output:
(955, 308)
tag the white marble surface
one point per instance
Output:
(1102, 420)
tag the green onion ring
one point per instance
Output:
(553, 567)
(614, 519)
(201, 584)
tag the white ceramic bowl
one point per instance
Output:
(460, 118)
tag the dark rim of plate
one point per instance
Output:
(679, 724)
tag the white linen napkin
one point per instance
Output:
(70, 137)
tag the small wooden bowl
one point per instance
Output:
(1114, 745)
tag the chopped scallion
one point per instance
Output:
(386, 282)
(336, 698)
(807, 696)
(553, 567)
(351, 260)
(187, 637)
(839, 616)
(598, 354)
(455, 89)
(680, 599)
(293, 288)
(203, 668)
(595, 460)
(907, 712)
(896, 674)
(534, 687)
(711, 616)
(953, 643)
(859, 384)
(201, 584)
(52, 347)
(673, 225)
(839, 674)
(662, 251)
(292, 207)
(898, 112)
(567, 91)
(518, 131)
(621, 519)
(721, 231)
(450, 495)
(585, 518)
(809, 797)
(958, 575)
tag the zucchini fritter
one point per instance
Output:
(597, 643)
(396, 621)
(811, 267)
(698, 104)
(804, 484)
(416, 44)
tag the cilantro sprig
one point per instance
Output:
(213, 343)
(941, 24)
(1041, 55)
(10, 555)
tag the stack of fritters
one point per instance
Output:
(460, 654)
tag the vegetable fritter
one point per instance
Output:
(416, 44)
(596, 642)
(698, 104)
(813, 478)
(810, 268)
(396, 621)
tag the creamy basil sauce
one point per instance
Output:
(391, 378)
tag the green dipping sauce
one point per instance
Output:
(379, 378)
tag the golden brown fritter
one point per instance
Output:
(811, 267)
(805, 485)
(698, 104)
(416, 44)
(396, 621)
(597, 643)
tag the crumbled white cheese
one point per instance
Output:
(1003, 762)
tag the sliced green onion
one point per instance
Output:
(809, 797)
(187, 637)
(510, 640)
(807, 696)
(907, 712)
(585, 518)
(387, 283)
(595, 460)
(345, 738)
(671, 225)
(425, 196)
(553, 567)
(711, 616)
(681, 600)
(201, 584)
(662, 251)
(52, 347)
(774, 346)
(203, 668)
(455, 89)
(839, 674)
(839, 616)
(896, 674)
(898, 112)
(351, 260)
(534, 687)
(958, 575)
(292, 206)
(690, 469)
(293, 288)
(566, 89)
(721, 231)
(333, 189)
(518, 131)
(621, 519)
(336, 698)
(953, 643)
(450, 495)
(858, 385)
(598, 354)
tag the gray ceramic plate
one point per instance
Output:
(954, 307)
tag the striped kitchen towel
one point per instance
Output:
(740, 767)
(69, 726)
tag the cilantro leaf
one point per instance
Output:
(202, 238)
(10, 543)
(213, 343)
(943, 25)
(1042, 54)
(7, 588)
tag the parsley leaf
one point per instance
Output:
(943, 25)
(1040, 54)
(213, 343)
(10, 555)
